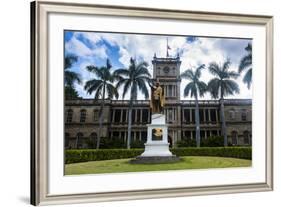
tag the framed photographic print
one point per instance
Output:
(136, 103)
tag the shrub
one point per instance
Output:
(84, 155)
(187, 143)
(107, 143)
(113, 143)
(137, 144)
(213, 141)
(236, 152)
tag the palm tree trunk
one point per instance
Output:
(223, 128)
(197, 122)
(129, 124)
(100, 118)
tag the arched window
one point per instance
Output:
(82, 115)
(170, 115)
(244, 115)
(79, 140)
(95, 115)
(69, 115)
(231, 114)
(234, 137)
(246, 136)
(66, 140)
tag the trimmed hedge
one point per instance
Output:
(84, 155)
(212, 141)
(74, 156)
(114, 143)
(235, 152)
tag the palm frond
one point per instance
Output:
(121, 72)
(202, 88)
(226, 65)
(95, 70)
(213, 87)
(214, 69)
(122, 81)
(142, 71)
(70, 77)
(92, 85)
(99, 91)
(245, 62)
(248, 78)
(111, 91)
(126, 88)
(198, 70)
(69, 60)
(142, 86)
(188, 89)
(249, 48)
(188, 74)
(233, 74)
(230, 87)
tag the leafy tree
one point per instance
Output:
(134, 79)
(194, 89)
(246, 65)
(222, 85)
(70, 78)
(70, 93)
(102, 85)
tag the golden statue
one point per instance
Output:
(157, 99)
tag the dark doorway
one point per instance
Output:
(170, 140)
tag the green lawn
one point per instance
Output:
(123, 165)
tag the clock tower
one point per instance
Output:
(167, 72)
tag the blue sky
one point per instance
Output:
(93, 48)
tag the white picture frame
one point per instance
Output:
(42, 175)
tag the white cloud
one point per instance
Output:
(74, 46)
(77, 47)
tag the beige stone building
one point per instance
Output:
(81, 116)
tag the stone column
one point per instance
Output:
(134, 133)
(217, 116)
(204, 115)
(113, 116)
(125, 136)
(121, 116)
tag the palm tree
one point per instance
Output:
(133, 79)
(246, 65)
(70, 77)
(195, 88)
(222, 85)
(101, 85)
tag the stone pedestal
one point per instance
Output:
(157, 145)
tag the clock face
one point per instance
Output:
(166, 69)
